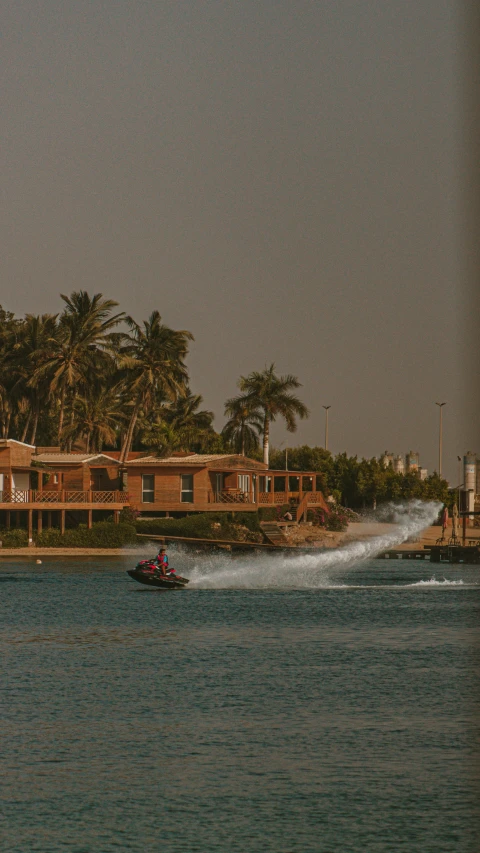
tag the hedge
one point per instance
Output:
(273, 513)
(103, 534)
(17, 538)
(211, 525)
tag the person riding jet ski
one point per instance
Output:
(162, 562)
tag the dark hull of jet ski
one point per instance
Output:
(158, 581)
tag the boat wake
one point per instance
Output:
(308, 571)
(433, 582)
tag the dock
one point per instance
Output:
(469, 554)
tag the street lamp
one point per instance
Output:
(459, 460)
(326, 425)
(440, 406)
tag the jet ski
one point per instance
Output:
(148, 572)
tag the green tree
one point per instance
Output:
(271, 396)
(36, 332)
(153, 360)
(78, 346)
(243, 427)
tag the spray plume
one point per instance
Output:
(308, 570)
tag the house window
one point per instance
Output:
(148, 488)
(186, 486)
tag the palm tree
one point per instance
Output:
(152, 357)
(180, 426)
(244, 426)
(81, 340)
(98, 415)
(270, 395)
(36, 332)
(164, 439)
(10, 330)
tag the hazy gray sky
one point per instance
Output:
(281, 178)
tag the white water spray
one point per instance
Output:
(309, 570)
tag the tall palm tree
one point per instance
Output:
(152, 357)
(243, 427)
(98, 415)
(80, 342)
(10, 331)
(36, 332)
(180, 426)
(266, 393)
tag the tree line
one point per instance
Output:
(92, 377)
(361, 483)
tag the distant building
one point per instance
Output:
(413, 461)
(470, 491)
(387, 460)
(401, 465)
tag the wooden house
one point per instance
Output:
(46, 485)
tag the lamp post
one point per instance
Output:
(326, 425)
(459, 460)
(440, 406)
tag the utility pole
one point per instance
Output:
(440, 437)
(326, 425)
(459, 460)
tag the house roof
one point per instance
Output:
(200, 460)
(69, 458)
(7, 441)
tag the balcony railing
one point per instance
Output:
(279, 498)
(24, 496)
(230, 496)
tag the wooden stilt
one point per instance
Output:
(116, 516)
(30, 525)
(89, 519)
(39, 521)
(62, 521)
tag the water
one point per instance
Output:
(335, 716)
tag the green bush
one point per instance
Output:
(250, 520)
(103, 534)
(273, 513)
(337, 520)
(193, 526)
(267, 513)
(128, 515)
(16, 538)
(211, 525)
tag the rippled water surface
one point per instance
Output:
(334, 714)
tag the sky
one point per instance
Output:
(285, 180)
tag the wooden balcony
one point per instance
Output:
(280, 498)
(230, 496)
(39, 499)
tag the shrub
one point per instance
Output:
(128, 515)
(267, 513)
(193, 526)
(103, 534)
(249, 520)
(272, 513)
(211, 525)
(16, 538)
(337, 520)
(317, 517)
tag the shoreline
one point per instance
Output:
(70, 552)
(428, 537)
